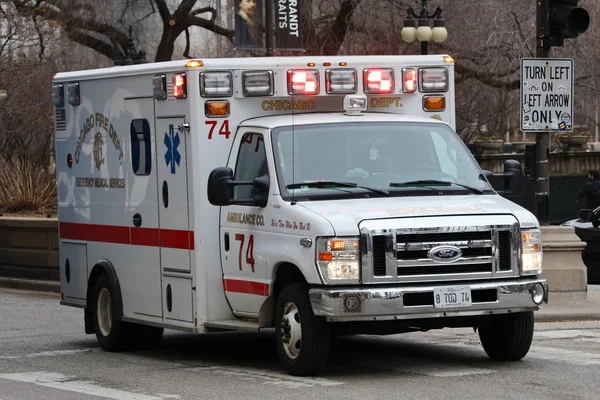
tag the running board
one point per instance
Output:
(234, 325)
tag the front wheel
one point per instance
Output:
(303, 339)
(507, 337)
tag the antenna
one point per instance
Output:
(293, 156)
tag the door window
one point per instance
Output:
(141, 160)
(251, 163)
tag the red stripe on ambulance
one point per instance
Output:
(154, 237)
(247, 287)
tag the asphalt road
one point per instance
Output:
(44, 354)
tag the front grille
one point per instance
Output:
(504, 250)
(379, 255)
(455, 248)
(441, 269)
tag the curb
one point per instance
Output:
(557, 316)
(30, 284)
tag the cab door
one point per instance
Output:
(244, 238)
(176, 240)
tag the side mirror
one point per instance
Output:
(509, 182)
(261, 183)
(586, 214)
(220, 188)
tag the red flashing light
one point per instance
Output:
(303, 82)
(377, 80)
(409, 80)
(69, 160)
(179, 86)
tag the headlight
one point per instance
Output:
(337, 259)
(531, 256)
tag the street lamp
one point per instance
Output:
(419, 27)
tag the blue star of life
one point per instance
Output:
(172, 141)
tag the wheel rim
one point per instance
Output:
(104, 312)
(291, 330)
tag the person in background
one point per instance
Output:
(591, 191)
(247, 22)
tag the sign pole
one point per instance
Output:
(269, 27)
(542, 138)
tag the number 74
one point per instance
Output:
(249, 250)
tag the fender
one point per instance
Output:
(102, 266)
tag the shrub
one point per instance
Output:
(25, 185)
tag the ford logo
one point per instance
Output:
(445, 253)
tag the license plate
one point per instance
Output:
(446, 297)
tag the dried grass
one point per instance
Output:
(26, 186)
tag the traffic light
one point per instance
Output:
(529, 155)
(566, 20)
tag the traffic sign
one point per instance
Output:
(546, 94)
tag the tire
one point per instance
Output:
(111, 332)
(507, 337)
(303, 340)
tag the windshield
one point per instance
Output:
(387, 158)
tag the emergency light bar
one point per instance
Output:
(303, 81)
(340, 80)
(409, 80)
(216, 84)
(378, 80)
(433, 79)
(73, 94)
(58, 95)
(257, 83)
(179, 86)
(159, 87)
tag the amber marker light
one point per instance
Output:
(325, 257)
(434, 103)
(194, 64)
(217, 108)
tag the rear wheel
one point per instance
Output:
(507, 337)
(111, 332)
(303, 339)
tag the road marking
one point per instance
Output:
(566, 334)
(53, 353)
(269, 377)
(443, 370)
(62, 382)
(572, 357)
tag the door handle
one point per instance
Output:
(165, 194)
(226, 242)
(137, 220)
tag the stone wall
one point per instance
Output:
(29, 248)
(561, 163)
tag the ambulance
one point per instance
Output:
(314, 196)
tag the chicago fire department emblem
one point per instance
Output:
(98, 150)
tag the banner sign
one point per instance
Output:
(248, 25)
(288, 35)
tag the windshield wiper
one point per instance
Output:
(435, 182)
(333, 184)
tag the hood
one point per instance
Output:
(345, 215)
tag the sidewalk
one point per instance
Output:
(557, 310)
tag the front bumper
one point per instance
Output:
(388, 302)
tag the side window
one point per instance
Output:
(141, 157)
(251, 163)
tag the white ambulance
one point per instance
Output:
(318, 196)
